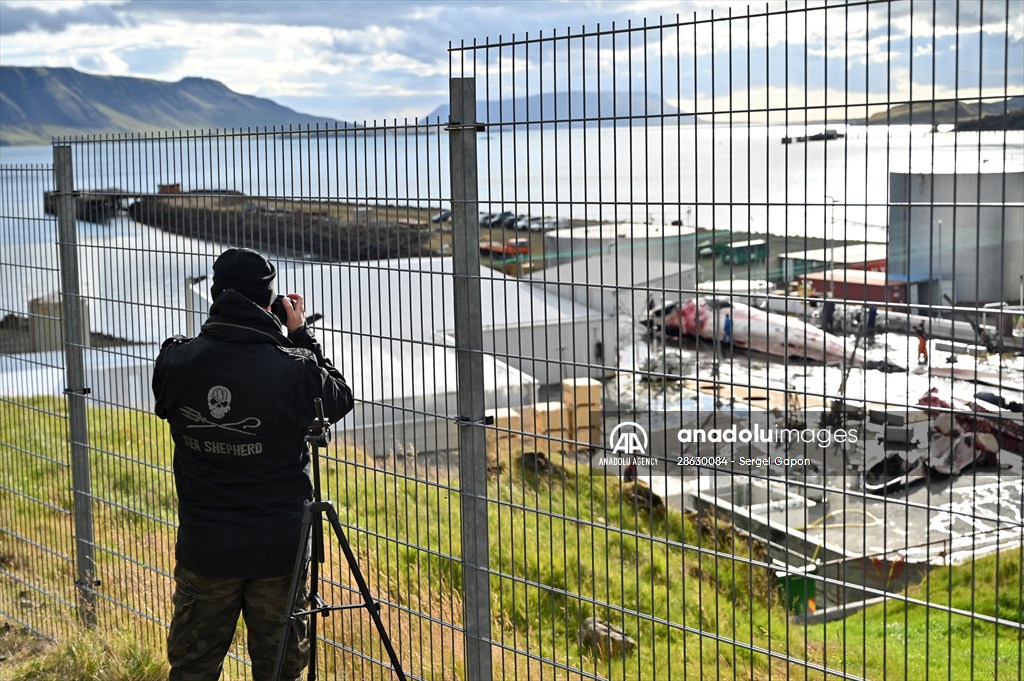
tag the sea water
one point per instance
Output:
(738, 178)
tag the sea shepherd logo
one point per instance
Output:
(628, 439)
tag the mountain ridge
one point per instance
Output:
(38, 103)
(964, 113)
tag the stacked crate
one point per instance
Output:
(549, 427)
(504, 435)
(581, 400)
(547, 423)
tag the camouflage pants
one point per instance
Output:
(206, 614)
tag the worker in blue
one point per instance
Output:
(872, 321)
(829, 312)
(728, 331)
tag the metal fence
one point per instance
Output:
(623, 244)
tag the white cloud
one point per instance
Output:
(55, 6)
(332, 54)
(270, 61)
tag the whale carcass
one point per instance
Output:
(752, 329)
(970, 417)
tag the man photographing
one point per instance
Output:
(239, 399)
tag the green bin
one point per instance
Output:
(797, 589)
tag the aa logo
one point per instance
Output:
(629, 439)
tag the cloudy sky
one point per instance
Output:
(360, 61)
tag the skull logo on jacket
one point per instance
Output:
(219, 401)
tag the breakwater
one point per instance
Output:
(326, 231)
(96, 207)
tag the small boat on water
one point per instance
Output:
(826, 136)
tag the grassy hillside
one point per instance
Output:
(992, 115)
(565, 545)
(901, 640)
(38, 103)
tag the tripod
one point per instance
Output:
(318, 436)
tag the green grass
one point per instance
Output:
(91, 655)
(606, 558)
(908, 640)
(564, 546)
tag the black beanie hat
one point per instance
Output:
(246, 271)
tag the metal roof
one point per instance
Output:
(865, 252)
(613, 268)
(865, 277)
(622, 230)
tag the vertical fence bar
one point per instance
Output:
(73, 328)
(469, 351)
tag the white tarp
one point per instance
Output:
(619, 281)
(546, 336)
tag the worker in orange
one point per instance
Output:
(922, 345)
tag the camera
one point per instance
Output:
(277, 309)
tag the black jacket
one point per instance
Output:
(239, 400)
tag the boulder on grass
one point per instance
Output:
(605, 638)
(642, 496)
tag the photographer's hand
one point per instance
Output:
(295, 309)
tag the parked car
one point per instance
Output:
(498, 219)
(443, 216)
(509, 221)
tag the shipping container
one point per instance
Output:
(856, 285)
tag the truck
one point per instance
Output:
(743, 252)
(502, 250)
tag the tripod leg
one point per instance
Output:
(371, 605)
(293, 592)
(316, 529)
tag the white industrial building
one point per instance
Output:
(619, 281)
(959, 234)
(524, 326)
(667, 242)
(412, 300)
(407, 391)
(389, 325)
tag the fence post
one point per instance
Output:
(74, 334)
(462, 131)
